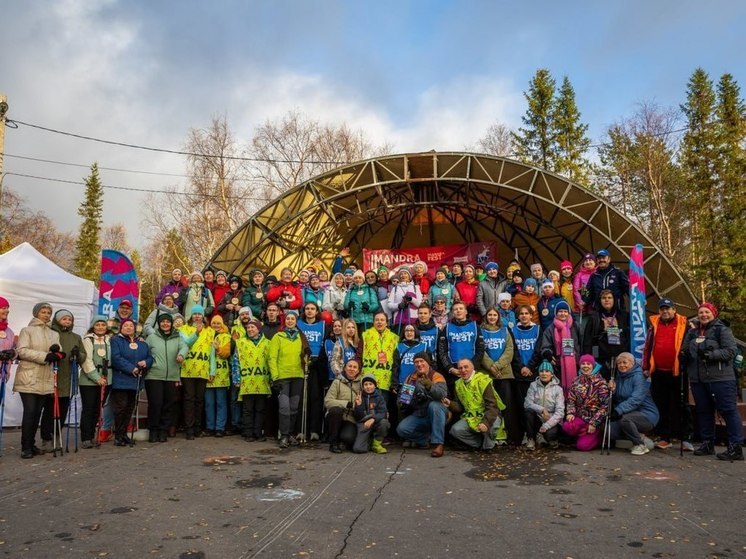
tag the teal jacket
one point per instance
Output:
(164, 349)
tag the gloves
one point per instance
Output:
(615, 415)
(352, 305)
(51, 358)
(55, 355)
(349, 405)
(365, 307)
(426, 383)
(403, 305)
(75, 353)
(707, 354)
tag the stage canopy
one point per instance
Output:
(442, 198)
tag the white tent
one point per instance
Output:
(28, 277)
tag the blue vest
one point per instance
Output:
(495, 341)
(525, 341)
(406, 356)
(462, 341)
(430, 339)
(329, 349)
(314, 334)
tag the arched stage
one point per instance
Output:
(440, 198)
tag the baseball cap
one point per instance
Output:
(665, 303)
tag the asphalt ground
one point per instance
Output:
(225, 498)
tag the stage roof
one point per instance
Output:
(440, 198)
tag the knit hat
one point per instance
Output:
(170, 295)
(587, 358)
(198, 309)
(125, 321)
(4, 303)
(546, 366)
(517, 273)
(491, 266)
(439, 298)
(367, 377)
(236, 279)
(220, 273)
(271, 279)
(513, 268)
(589, 256)
(561, 305)
(358, 274)
(164, 316)
(62, 313)
(565, 264)
(349, 272)
(244, 309)
(99, 318)
(404, 270)
(470, 266)
(200, 276)
(441, 269)
(178, 316)
(421, 355)
(713, 308)
(547, 283)
(291, 312)
(382, 268)
(216, 323)
(38, 307)
(504, 297)
(530, 282)
(255, 322)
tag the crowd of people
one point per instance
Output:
(463, 355)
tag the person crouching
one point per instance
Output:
(371, 415)
(339, 403)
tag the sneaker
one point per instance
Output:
(335, 448)
(687, 446)
(531, 445)
(650, 445)
(524, 442)
(314, 436)
(734, 452)
(26, 454)
(86, 444)
(285, 441)
(639, 450)
(540, 440)
(46, 446)
(553, 445)
(662, 444)
(705, 449)
(219, 434)
(377, 447)
(293, 441)
(501, 442)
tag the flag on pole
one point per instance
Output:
(637, 318)
(118, 282)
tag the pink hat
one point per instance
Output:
(566, 264)
(4, 303)
(587, 358)
(713, 308)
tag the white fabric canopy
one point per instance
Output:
(27, 277)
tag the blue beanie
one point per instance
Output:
(198, 309)
(562, 305)
(491, 266)
(530, 282)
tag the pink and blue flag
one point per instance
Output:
(118, 282)
(637, 318)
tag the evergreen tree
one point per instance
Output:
(88, 243)
(535, 143)
(702, 197)
(570, 136)
(730, 292)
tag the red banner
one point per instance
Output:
(433, 257)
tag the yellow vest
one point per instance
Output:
(471, 397)
(197, 362)
(378, 355)
(253, 358)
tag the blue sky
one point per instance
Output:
(417, 75)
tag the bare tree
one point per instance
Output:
(114, 237)
(496, 141)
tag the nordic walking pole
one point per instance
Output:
(74, 389)
(303, 419)
(102, 397)
(57, 427)
(606, 441)
(3, 373)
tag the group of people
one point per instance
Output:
(467, 355)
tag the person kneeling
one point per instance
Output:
(372, 418)
(545, 407)
(477, 401)
(339, 403)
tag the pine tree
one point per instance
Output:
(731, 170)
(535, 143)
(570, 136)
(88, 243)
(702, 197)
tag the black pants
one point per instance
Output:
(675, 419)
(315, 402)
(508, 392)
(161, 398)
(90, 397)
(288, 401)
(534, 423)
(193, 402)
(253, 414)
(340, 431)
(123, 402)
(33, 404)
(47, 416)
(521, 391)
(393, 408)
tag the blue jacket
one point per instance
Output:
(124, 360)
(633, 394)
(371, 405)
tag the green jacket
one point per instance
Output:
(68, 340)
(92, 367)
(286, 355)
(164, 350)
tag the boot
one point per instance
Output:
(707, 448)
(162, 436)
(377, 447)
(153, 436)
(734, 452)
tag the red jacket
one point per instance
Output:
(287, 295)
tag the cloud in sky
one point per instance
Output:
(414, 75)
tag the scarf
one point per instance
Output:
(3, 325)
(568, 367)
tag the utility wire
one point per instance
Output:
(172, 151)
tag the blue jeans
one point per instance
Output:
(216, 408)
(720, 396)
(416, 429)
(236, 409)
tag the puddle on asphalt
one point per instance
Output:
(268, 481)
(122, 510)
(272, 495)
(524, 467)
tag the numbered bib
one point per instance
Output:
(568, 347)
(614, 335)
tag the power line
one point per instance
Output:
(136, 171)
(129, 188)
(171, 151)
